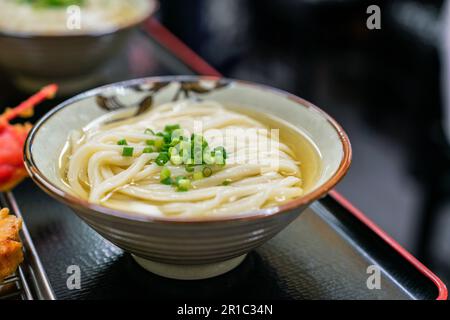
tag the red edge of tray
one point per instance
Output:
(442, 289)
(197, 64)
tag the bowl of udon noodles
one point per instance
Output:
(187, 173)
(65, 41)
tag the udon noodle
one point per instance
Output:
(258, 170)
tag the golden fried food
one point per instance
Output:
(11, 254)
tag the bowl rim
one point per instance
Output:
(72, 200)
(57, 35)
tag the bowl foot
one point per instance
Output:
(189, 272)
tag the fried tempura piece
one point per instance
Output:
(11, 254)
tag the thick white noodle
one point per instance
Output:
(97, 170)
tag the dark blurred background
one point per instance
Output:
(384, 86)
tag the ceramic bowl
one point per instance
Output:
(73, 60)
(172, 247)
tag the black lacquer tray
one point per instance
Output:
(329, 252)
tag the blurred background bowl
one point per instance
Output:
(73, 60)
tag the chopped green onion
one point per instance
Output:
(198, 140)
(174, 142)
(52, 3)
(176, 160)
(178, 179)
(221, 150)
(165, 135)
(167, 181)
(170, 128)
(219, 158)
(197, 153)
(122, 142)
(127, 151)
(165, 148)
(162, 159)
(207, 157)
(226, 182)
(178, 134)
(207, 171)
(178, 149)
(165, 173)
(184, 185)
(186, 156)
(198, 175)
(159, 143)
(185, 146)
(195, 137)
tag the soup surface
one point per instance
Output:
(53, 17)
(190, 158)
